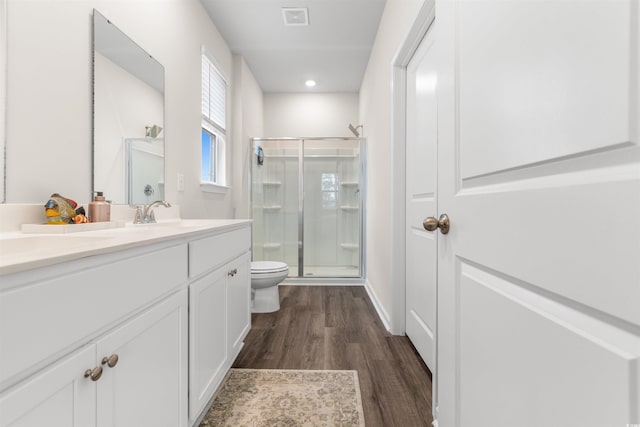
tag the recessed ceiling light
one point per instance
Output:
(310, 83)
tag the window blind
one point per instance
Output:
(214, 94)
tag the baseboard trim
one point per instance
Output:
(320, 282)
(382, 314)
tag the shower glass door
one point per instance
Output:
(331, 177)
(307, 202)
(275, 193)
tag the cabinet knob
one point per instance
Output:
(110, 361)
(233, 272)
(94, 373)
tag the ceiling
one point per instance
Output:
(333, 49)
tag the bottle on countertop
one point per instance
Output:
(99, 209)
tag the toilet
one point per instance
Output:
(265, 276)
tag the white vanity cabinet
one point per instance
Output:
(136, 334)
(60, 322)
(146, 386)
(219, 311)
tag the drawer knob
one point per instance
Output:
(233, 272)
(94, 373)
(110, 361)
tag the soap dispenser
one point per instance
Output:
(99, 209)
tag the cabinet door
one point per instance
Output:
(207, 337)
(239, 304)
(148, 385)
(58, 396)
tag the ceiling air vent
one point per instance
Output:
(295, 16)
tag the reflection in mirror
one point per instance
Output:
(128, 118)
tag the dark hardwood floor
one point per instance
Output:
(330, 327)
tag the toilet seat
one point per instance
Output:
(267, 267)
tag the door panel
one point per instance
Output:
(551, 346)
(539, 171)
(421, 172)
(556, 86)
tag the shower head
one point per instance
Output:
(355, 129)
(152, 131)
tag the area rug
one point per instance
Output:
(287, 398)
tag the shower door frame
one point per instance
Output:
(362, 186)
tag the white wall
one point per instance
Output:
(49, 60)
(247, 123)
(308, 115)
(375, 116)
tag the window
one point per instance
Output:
(214, 97)
(329, 188)
(209, 157)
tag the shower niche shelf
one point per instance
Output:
(272, 208)
(350, 246)
(272, 245)
(349, 208)
(271, 183)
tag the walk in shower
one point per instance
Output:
(307, 200)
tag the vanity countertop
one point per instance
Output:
(21, 251)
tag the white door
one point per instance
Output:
(148, 385)
(539, 172)
(421, 170)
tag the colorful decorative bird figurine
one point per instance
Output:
(60, 210)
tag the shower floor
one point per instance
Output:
(326, 271)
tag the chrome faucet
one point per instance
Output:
(144, 214)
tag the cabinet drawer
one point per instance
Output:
(211, 252)
(41, 320)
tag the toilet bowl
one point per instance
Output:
(265, 276)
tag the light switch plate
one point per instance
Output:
(180, 182)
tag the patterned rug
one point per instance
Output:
(287, 398)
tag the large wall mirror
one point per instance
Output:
(3, 96)
(128, 118)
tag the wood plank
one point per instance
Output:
(335, 327)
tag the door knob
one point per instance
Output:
(110, 361)
(430, 223)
